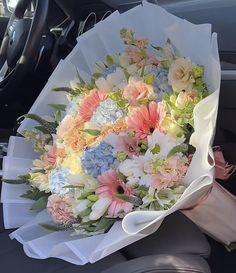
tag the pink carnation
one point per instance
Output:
(171, 173)
(60, 209)
(110, 186)
(146, 119)
(90, 103)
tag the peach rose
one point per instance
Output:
(137, 90)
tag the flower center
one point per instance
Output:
(152, 130)
(120, 189)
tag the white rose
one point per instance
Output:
(99, 208)
(180, 74)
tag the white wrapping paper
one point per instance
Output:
(153, 22)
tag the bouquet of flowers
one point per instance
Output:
(123, 142)
(132, 141)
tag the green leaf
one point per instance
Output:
(42, 129)
(97, 75)
(182, 148)
(86, 212)
(53, 227)
(136, 201)
(60, 107)
(63, 89)
(109, 60)
(34, 194)
(92, 132)
(104, 224)
(40, 204)
(14, 181)
(49, 126)
(71, 187)
(82, 82)
(158, 48)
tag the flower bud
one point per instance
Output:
(198, 71)
(182, 100)
(99, 208)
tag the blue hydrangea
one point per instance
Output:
(109, 70)
(58, 179)
(108, 111)
(161, 81)
(98, 159)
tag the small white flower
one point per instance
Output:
(99, 208)
(113, 82)
(165, 142)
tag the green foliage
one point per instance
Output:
(92, 132)
(14, 181)
(118, 98)
(109, 60)
(136, 201)
(48, 126)
(40, 204)
(59, 107)
(104, 224)
(22, 179)
(52, 227)
(63, 89)
(183, 148)
(34, 194)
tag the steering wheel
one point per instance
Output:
(20, 46)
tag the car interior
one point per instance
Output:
(34, 37)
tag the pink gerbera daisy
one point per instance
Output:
(110, 186)
(90, 103)
(146, 119)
